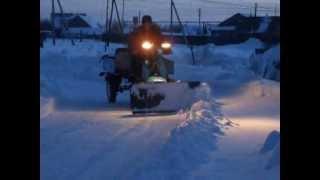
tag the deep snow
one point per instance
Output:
(265, 64)
(82, 137)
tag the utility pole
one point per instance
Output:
(275, 10)
(183, 31)
(107, 21)
(65, 22)
(171, 17)
(139, 17)
(199, 16)
(255, 9)
(107, 16)
(53, 23)
(109, 26)
(122, 16)
(114, 3)
(113, 6)
(60, 6)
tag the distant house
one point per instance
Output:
(72, 24)
(244, 26)
(241, 23)
(274, 28)
(246, 23)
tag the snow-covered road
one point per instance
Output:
(84, 138)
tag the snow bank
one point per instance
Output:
(242, 50)
(271, 141)
(191, 141)
(204, 122)
(267, 64)
(275, 158)
(86, 48)
(48, 90)
(271, 147)
(67, 71)
(46, 106)
(65, 63)
(217, 65)
(208, 54)
(189, 144)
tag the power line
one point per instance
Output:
(227, 3)
(237, 4)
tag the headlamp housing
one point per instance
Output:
(147, 45)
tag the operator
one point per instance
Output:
(147, 31)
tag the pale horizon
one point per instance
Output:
(160, 9)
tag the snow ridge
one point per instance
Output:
(272, 147)
(189, 144)
(46, 106)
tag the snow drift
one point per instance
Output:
(46, 107)
(267, 65)
(275, 158)
(271, 141)
(271, 147)
(189, 144)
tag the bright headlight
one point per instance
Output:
(147, 45)
(165, 45)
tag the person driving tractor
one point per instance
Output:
(146, 31)
(142, 61)
(144, 43)
(147, 72)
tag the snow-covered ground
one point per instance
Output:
(267, 64)
(82, 137)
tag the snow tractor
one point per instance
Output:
(154, 91)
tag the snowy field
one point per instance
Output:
(221, 137)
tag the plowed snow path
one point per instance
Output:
(83, 138)
(99, 145)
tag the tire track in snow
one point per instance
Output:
(127, 148)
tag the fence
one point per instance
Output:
(191, 27)
(198, 33)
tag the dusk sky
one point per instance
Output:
(160, 9)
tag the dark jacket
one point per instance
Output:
(146, 32)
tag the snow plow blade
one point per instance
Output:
(164, 97)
